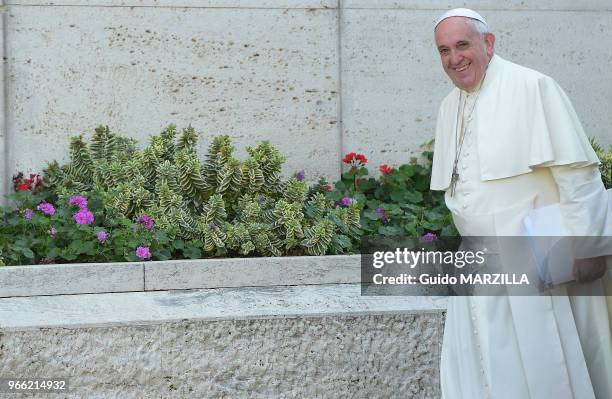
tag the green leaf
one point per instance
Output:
(363, 171)
(407, 170)
(342, 240)
(163, 254)
(371, 215)
(340, 186)
(389, 230)
(347, 177)
(398, 195)
(27, 252)
(413, 196)
(192, 252)
(161, 237)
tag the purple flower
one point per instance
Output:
(213, 226)
(429, 237)
(380, 212)
(79, 201)
(46, 208)
(299, 176)
(28, 214)
(52, 232)
(346, 201)
(102, 236)
(84, 216)
(146, 221)
(143, 252)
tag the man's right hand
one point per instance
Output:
(589, 269)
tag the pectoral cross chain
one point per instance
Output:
(454, 178)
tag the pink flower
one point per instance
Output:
(429, 237)
(143, 252)
(380, 212)
(346, 201)
(146, 221)
(28, 214)
(84, 216)
(79, 201)
(46, 208)
(328, 188)
(102, 236)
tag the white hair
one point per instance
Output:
(479, 27)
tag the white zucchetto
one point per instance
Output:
(461, 12)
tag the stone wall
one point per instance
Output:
(317, 78)
(314, 341)
(382, 356)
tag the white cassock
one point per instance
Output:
(524, 148)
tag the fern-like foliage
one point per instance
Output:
(189, 175)
(232, 207)
(82, 165)
(318, 237)
(252, 176)
(187, 140)
(269, 161)
(102, 144)
(605, 166)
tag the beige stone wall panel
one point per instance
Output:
(370, 356)
(251, 73)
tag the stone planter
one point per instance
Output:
(257, 327)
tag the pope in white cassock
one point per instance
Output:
(508, 141)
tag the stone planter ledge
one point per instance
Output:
(96, 278)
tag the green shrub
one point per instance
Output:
(606, 163)
(399, 202)
(223, 207)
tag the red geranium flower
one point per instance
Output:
(355, 159)
(30, 184)
(385, 169)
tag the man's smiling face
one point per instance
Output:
(464, 53)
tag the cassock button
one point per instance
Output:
(464, 166)
(464, 206)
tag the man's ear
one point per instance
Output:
(490, 43)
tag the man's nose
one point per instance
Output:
(455, 57)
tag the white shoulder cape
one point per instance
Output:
(523, 119)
